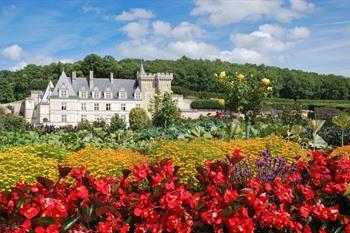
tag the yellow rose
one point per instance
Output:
(269, 89)
(216, 75)
(265, 81)
(222, 74)
(221, 102)
(240, 77)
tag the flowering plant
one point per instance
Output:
(311, 197)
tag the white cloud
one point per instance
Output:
(299, 33)
(192, 49)
(133, 14)
(136, 30)
(13, 52)
(39, 60)
(187, 31)
(161, 28)
(302, 6)
(270, 38)
(241, 55)
(222, 12)
(91, 9)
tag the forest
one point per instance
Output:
(191, 76)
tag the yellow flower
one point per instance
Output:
(216, 75)
(269, 89)
(221, 102)
(265, 81)
(222, 75)
(240, 77)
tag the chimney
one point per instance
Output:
(91, 79)
(74, 75)
(111, 77)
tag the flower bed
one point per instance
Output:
(189, 155)
(304, 197)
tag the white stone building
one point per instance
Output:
(73, 99)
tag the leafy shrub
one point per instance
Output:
(84, 125)
(105, 162)
(117, 123)
(190, 154)
(17, 165)
(138, 119)
(12, 122)
(206, 104)
(166, 111)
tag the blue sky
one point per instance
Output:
(298, 34)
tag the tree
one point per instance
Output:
(166, 111)
(117, 123)
(138, 118)
(6, 92)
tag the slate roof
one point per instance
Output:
(102, 84)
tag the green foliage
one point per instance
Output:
(117, 123)
(317, 141)
(191, 77)
(12, 122)
(166, 111)
(206, 104)
(84, 125)
(343, 121)
(138, 119)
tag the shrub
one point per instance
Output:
(100, 124)
(16, 165)
(117, 123)
(206, 104)
(190, 154)
(105, 162)
(138, 119)
(12, 122)
(84, 125)
(166, 111)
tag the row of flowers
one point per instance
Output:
(302, 197)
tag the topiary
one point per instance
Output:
(138, 119)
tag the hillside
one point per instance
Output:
(190, 77)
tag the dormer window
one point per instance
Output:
(63, 92)
(108, 93)
(96, 94)
(137, 95)
(122, 94)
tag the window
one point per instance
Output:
(83, 106)
(122, 94)
(108, 95)
(83, 94)
(64, 93)
(83, 117)
(96, 106)
(108, 107)
(64, 106)
(63, 118)
(123, 107)
(137, 95)
(138, 105)
(96, 94)
(96, 118)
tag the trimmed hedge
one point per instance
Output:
(206, 104)
(199, 94)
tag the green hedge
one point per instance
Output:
(307, 103)
(206, 104)
(199, 94)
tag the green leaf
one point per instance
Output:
(316, 125)
(69, 223)
(347, 192)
